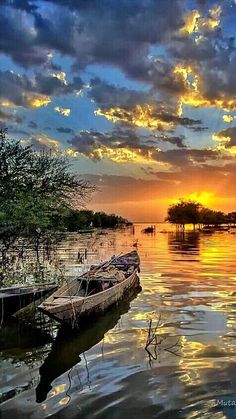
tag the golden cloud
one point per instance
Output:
(224, 143)
(60, 76)
(7, 104)
(120, 155)
(143, 116)
(62, 111)
(196, 24)
(192, 95)
(31, 101)
(37, 101)
(190, 22)
(228, 118)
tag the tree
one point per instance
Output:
(36, 189)
(232, 217)
(184, 212)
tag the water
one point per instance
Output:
(188, 286)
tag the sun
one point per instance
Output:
(205, 198)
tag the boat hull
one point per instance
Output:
(75, 310)
(11, 303)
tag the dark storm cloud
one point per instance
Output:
(228, 133)
(16, 88)
(187, 157)
(107, 95)
(119, 34)
(178, 141)
(115, 33)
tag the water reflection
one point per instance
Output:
(191, 281)
(184, 242)
(69, 345)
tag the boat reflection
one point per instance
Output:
(70, 344)
(16, 338)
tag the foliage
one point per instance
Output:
(75, 220)
(36, 189)
(184, 212)
(190, 212)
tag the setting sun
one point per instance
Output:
(205, 198)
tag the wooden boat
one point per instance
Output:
(15, 298)
(150, 229)
(95, 291)
(69, 345)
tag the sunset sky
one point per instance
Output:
(139, 94)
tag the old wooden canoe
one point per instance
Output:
(13, 299)
(94, 292)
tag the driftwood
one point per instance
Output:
(156, 343)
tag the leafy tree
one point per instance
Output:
(184, 212)
(232, 217)
(36, 189)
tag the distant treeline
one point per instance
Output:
(80, 219)
(190, 212)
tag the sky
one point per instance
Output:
(139, 94)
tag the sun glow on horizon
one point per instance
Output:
(204, 198)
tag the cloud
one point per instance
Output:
(32, 124)
(118, 146)
(65, 130)
(164, 185)
(126, 146)
(227, 139)
(136, 108)
(130, 38)
(43, 143)
(7, 116)
(20, 90)
(62, 111)
(228, 118)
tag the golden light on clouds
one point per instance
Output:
(49, 142)
(44, 140)
(60, 76)
(228, 118)
(221, 138)
(31, 101)
(62, 111)
(142, 116)
(120, 155)
(190, 23)
(192, 95)
(71, 153)
(224, 145)
(205, 198)
(195, 23)
(212, 21)
(7, 104)
(38, 101)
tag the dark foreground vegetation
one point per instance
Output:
(190, 212)
(40, 198)
(39, 194)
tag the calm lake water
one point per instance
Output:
(188, 290)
